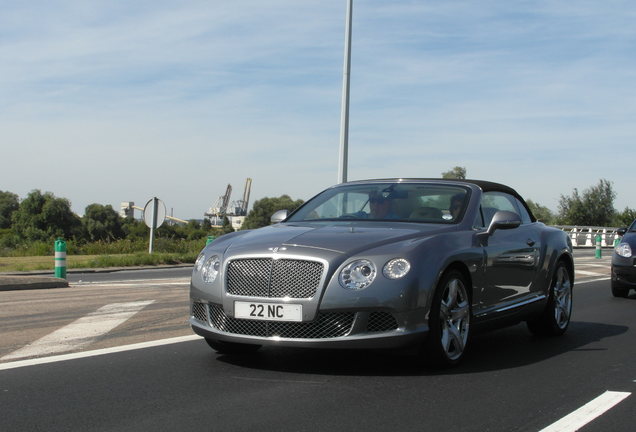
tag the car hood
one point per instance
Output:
(343, 239)
(630, 238)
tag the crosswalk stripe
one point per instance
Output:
(82, 331)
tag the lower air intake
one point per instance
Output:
(326, 325)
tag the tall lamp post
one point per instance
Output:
(344, 115)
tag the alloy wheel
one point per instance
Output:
(562, 298)
(454, 318)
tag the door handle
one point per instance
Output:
(530, 242)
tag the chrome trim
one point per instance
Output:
(514, 306)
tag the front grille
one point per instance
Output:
(267, 277)
(326, 325)
(198, 312)
(381, 321)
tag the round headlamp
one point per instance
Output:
(210, 269)
(396, 268)
(357, 275)
(199, 262)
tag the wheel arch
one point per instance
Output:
(567, 259)
(558, 248)
(462, 268)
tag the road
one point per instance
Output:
(509, 381)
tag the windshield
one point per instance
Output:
(412, 202)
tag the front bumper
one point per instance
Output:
(342, 329)
(624, 271)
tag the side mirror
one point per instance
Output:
(504, 220)
(621, 231)
(279, 216)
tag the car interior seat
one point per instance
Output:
(426, 213)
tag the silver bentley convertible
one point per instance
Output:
(386, 264)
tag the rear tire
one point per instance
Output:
(223, 347)
(449, 321)
(555, 318)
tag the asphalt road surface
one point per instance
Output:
(118, 355)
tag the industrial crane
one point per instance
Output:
(236, 211)
(220, 208)
(240, 206)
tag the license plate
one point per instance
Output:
(268, 311)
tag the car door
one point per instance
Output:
(510, 256)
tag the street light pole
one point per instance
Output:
(344, 116)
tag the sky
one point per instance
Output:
(106, 101)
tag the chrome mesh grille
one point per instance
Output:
(381, 321)
(249, 277)
(199, 312)
(326, 325)
(267, 277)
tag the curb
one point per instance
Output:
(13, 283)
(43, 280)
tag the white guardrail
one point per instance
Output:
(588, 236)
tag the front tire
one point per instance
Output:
(223, 347)
(555, 318)
(619, 290)
(449, 321)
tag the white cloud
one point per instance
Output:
(178, 99)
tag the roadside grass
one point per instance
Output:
(39, 256)
(41, 263)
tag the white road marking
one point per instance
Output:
(590, 259)
(587, 273)
(588, 412)
(93, 353)
(578, 282)
(82, 331)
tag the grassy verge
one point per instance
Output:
(33, 263)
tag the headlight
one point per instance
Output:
(357, 275)
(211, 269)
(624, 250)
(199, 262)
(396, 268)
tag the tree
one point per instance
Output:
(227, 226)
(134, 229)
(9, 203)
(102, 223)
(264, 208)
(456, 173)
(206, 224)
(543, 214)
(44, 217)
(595, 207)
(625, 218)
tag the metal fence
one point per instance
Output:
(589, 236)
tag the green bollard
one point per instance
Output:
(210, 239)
(598, 252)
(60, 258)
(617, 241)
